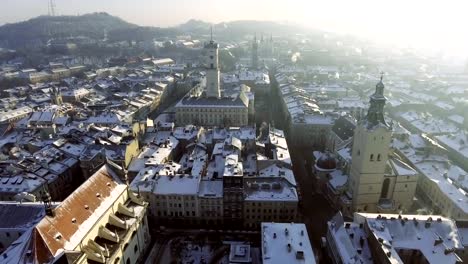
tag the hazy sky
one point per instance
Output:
(440, 24)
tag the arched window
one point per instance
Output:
(385, 186)
(378, 157)
(128, 261)
(135, 249)
(371, 157)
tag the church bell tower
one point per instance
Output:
(371, 144)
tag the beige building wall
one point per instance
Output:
(137, 233)
(448, 208)
(173, 206)
(132, 150)
(213, 116)
(369, 160)
(404, 190)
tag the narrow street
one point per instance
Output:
(315, 209)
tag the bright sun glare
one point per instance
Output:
(433, 25)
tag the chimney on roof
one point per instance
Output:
(438, 241)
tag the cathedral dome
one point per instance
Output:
(326, 162)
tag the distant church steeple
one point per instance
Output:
(255, 52)
(375, 115)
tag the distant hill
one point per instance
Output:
(40, 29)
(240, 27)
(194, 25)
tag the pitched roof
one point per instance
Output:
(76, 215)
(30, 241)
(344, 128)
(20, 216)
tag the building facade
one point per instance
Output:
(205, 105)
(101, 222)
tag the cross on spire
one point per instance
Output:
(381, 75)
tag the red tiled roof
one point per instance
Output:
(55, 232)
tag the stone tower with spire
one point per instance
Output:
(212, 68)
(371, 144)
(254, 62)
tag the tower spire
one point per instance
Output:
(254, 62)
(375, 115)
(51, 8)
(211, 33)
(47, 200)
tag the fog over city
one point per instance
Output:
(434, 25)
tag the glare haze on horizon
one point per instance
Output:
(433, 24)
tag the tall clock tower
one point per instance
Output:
(212, 69)
(371, 144)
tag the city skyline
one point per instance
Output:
(431, 25)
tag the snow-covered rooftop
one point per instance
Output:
(434, 236)
(435, 167)
(269, 189)
(286, 243)
(457, 142)
(426, 123)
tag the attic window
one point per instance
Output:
(86, 207)
(58, 236)
(108, 184)
(98, 195)
(73, 220)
